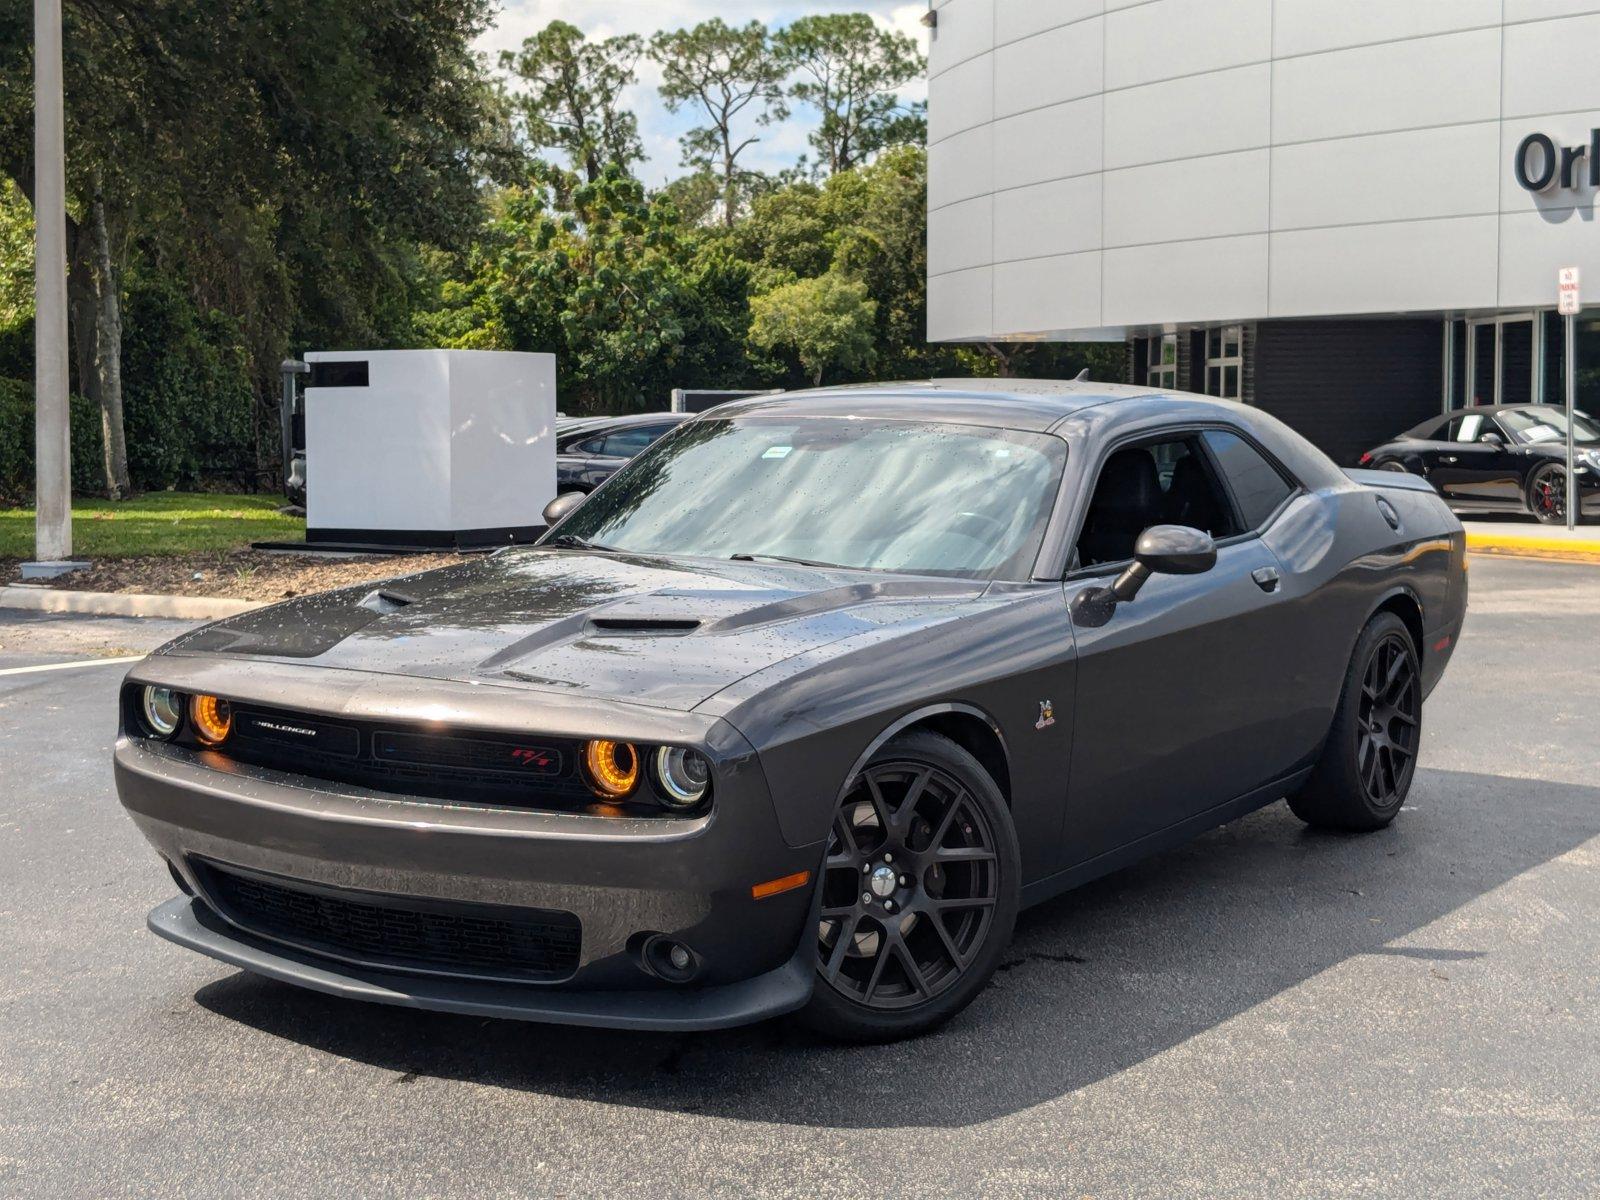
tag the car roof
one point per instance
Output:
(592, 424)
(1031, 404)
(1476, 410)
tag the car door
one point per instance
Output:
(1475, 466)
(1182, 696)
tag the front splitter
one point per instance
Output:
(191, 924)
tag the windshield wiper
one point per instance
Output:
(579, 543)
(784, 558)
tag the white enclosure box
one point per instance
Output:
(429, 447)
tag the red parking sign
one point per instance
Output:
(1567, 302)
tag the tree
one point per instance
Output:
(728, 74)
(610, 280)
(214, 143)
(851, 71)
(574, 89)
(827, 322)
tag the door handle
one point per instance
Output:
(1266, 578)
(1447, 458)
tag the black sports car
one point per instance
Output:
(1505, 458)
(589, 452)
(798, 709)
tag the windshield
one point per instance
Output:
(880, 495)
(1536, 425)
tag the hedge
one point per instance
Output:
(16, 442)
(187, 402)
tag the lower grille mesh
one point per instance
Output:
(456, 939)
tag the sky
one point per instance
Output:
(780, 145)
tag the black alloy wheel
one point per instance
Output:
(919, 892)
(1547, 494)
(1388, 719)
(1369, 760)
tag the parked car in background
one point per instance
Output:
(589, 452)
(1501, 458)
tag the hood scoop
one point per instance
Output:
(384, 601)
(643, 626)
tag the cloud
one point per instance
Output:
(659, 130)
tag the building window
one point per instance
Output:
(1225, 362)
(1161, 362)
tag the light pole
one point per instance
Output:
(53, 451)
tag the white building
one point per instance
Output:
(1350, 212)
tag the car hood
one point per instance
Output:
(639, 629)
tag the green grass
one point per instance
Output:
(160, 523)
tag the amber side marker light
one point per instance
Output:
(776, 887)
(613, 767)
(212, 717)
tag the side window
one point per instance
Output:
(1466, 429)
(1257, 485)
(626, 443)
(1159, 483)
(594, 445)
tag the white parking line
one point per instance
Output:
(67, 666)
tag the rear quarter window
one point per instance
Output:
(1258, 487)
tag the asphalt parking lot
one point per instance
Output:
(1266, 1012)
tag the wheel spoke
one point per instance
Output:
(848, 849)
(878, 964)
(958, 903)
(879, 804)
(957, 959)
(908, 964)
(914, 795)
(841, 947)
(946, 821)
(1394, 677)
(963, 854)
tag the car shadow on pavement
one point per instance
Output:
(1096, 981)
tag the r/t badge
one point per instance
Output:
(1047, 715)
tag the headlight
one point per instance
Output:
(613, 767)
(212, 717)
(162, 709)
(683, 775)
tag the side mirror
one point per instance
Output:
(1492, 439)
(562, 507)
(1160, 550)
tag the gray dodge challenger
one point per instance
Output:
(798, 710)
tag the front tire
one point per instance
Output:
(1370, 757)
(919, 893)
(1547, 494)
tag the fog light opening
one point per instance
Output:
(669, 959)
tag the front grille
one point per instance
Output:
(402, 932)
(466, 767)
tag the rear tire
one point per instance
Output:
(1370, 757)
(919, 893)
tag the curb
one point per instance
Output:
(1534, 543)
(122, 604)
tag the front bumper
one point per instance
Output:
(191, 924)
(622, 878)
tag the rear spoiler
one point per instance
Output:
(1403, 480)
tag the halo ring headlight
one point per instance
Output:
(613, 767)
(212, 717)
(162, 709)
(683, 775)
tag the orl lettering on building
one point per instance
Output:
(1541, 164)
